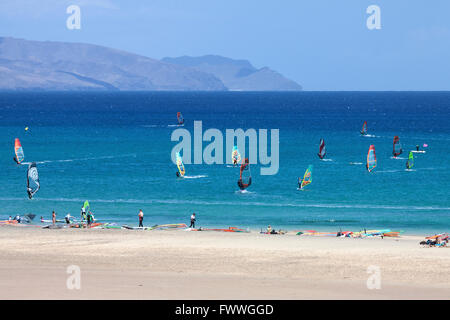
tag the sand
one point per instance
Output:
(136, 264)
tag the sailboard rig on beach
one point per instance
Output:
(235, 155)
(18, 150)
(371, 159)
(86, 206)
(245, 176)
(364, 128)
(322, 150)
(32, 180)
(307, 178)
(180, 165)
(180, 118)
(396, 147)
(410, 161)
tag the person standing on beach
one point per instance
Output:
(141, 218)
(192, 225)
(53, 217)
(83, 214)
(90, 219)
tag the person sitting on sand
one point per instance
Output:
(269, 229)
(192, 225)
(10, 218)
(141, 218)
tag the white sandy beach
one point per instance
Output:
(135, 264)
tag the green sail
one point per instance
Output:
(410, 162)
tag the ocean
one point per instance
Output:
(114, 149)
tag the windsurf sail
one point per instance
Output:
(32, 180)
(245, 176)
(180, 165)
(235, 155)
(86, 206)
(322, 149)
(307, 177)
(371, 159)
(18, 151)
(410, 161)
(364, 128)
(180, 118)
(396, 147)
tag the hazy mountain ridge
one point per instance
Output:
(238, 75)
(50, 65)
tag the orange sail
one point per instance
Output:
(18, 151)
(371, 159)
(364, 128)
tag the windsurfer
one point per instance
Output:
(178, 174)
(192, 225)
(15, 160)
(141, 218)
(30, 193)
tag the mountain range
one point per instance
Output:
(51, 65)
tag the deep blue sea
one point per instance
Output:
(113, 149)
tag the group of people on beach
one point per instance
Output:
(87, 217)
(141, 219)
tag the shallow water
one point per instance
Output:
(114, 150)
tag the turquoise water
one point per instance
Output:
(114, 150)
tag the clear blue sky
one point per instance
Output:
(321, 44)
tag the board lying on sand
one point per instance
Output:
(135, 228)
(370, 233)
(8, 222)
(324, 234)
(230, 229)
(54, 226)
(83, 225)
(169, 226)
(394, 234)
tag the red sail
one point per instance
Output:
(396, 147)
(364, 128)
(322, 150)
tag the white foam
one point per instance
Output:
(195, 177)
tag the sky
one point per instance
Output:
(321, 44)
